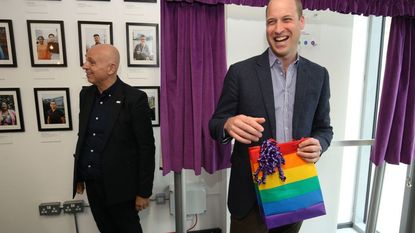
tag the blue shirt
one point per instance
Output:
(91, 153)
(283, 85)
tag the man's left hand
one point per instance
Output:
(309, 150)
(141, 203)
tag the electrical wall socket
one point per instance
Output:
(73, 206)
(50, 208)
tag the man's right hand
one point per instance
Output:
(80, 186)
(245, 129)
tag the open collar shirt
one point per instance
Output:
(283, 84)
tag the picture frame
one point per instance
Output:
(7, 48)
(92, 32)
(153, 95)
(47, 43)
(53, 109)
(140, 1)
(11, 115)
(142, 44)
(95, 0)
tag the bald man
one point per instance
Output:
(114, 156)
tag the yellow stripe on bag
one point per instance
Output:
(293, 175)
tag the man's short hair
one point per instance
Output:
(299, 5)
(96, 35)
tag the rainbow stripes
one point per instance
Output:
(298, 198)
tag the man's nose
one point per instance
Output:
(278, 27)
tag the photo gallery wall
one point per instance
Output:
(47, 49)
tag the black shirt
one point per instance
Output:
(90, 164)
(55, 117)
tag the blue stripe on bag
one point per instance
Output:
(295, 203)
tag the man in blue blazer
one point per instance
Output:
(114, 157)
(277, 94)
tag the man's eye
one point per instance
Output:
(287, 19)
(270, 22)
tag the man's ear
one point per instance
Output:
(112, 68)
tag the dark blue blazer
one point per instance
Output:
(128, 158)
(248, 90)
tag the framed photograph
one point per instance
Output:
(53, 109)
(7, 49)
(140, 0)
(46, 43)
(92, 33)
(11, 118)
(142, 44)
(153, 95)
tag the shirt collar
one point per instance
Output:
(274, 59)
(109, 91)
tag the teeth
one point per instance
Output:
(281, 38)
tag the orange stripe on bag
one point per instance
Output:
(291, 160)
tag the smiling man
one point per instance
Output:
(279, 95)
(114, 156)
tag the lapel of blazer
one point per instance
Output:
(265, 83)
(116, 102)
(85, 111)
(300, 93)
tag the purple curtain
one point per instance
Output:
(193, 66)
(364, 7)
(238, 2)
(395, 135)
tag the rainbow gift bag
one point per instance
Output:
(287, 187)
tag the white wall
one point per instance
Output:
(333, 34)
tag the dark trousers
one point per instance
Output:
(117, 218)
(253, 223)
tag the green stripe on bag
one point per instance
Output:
(290, 190)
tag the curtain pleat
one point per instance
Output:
(395, 133)
(193, 67)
